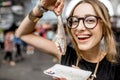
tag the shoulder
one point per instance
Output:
(70, 57)
(117, 70)
(109, 69)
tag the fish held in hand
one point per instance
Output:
(60, 38)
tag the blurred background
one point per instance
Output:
(25, 62)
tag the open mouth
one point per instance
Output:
(84, 37)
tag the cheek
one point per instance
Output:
(98, 32)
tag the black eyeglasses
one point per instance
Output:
(89, 21)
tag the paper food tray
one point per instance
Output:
(69, 73)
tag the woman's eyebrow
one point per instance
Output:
(84, 15)
(90, 15)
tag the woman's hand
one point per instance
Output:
(75, 67)
(53, 5)
(55, 78)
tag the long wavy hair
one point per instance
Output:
(109, 42)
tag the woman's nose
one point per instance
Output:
(81, 25)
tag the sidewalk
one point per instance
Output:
(31, 68)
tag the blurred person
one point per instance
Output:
(8, 48)
(88, 23)
(42, 31)
(45, 30)
(18, 52)
(44, 27)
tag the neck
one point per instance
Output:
(93, 55)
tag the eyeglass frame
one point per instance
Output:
(83, 19)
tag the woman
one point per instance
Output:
(88, 23)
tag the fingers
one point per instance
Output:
(42, 2)
(55, 78)
(59, 7)
(57, 4)
(48, 4)
(75, 67)
(53, 5)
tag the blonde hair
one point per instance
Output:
(109, 41)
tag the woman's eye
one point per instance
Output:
(74, 22)
(90, 20)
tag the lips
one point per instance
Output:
(83, 36)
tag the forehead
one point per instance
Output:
(83, 10)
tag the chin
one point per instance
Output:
(88, 46)
(84, 47)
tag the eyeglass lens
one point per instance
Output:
(89, 21)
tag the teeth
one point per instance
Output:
(83, 36)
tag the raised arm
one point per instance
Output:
(25, 30)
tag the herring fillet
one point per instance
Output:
(60, 37)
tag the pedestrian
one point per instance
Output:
(88, 23)
(29, 49)
(8, 48)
